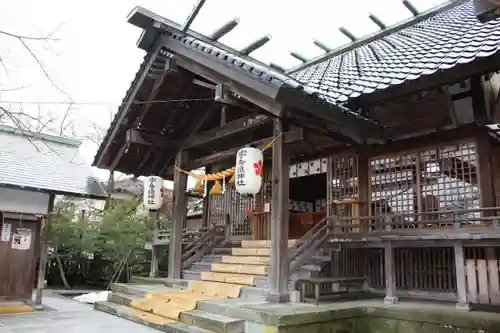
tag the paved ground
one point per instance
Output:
(68, 317)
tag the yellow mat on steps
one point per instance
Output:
(14, 307)
(156, 307)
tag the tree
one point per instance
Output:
(16, 115)
(93, 243)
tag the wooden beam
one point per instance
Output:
(298, 56)
(149, 139)
(289, 137)
(190, 19)
(255, 45)
(390, 274)
(279, 265)
(124, 108)
(322, 46)
(180, 208)
(43, 252)
(348, 34)
(461, 276)
(259, 93)
(410, 7)
(377, 21)
(237, 126)
(119, 154)
(276, 67)
(224, 30)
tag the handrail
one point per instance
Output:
(307, 246)
(420, 222)
(198, 248)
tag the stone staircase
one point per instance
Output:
(232, 274)
(198, 307)
(247, 263)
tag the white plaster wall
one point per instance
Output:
(19, 201)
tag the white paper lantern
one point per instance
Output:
(153, 192)
(249, 169)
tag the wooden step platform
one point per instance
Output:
(239, 269)
(263, 243)
(239, 279)
(245, 260)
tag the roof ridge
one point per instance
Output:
(41, 136)
(378, 34)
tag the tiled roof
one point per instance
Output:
(45, 163)
(443, 40)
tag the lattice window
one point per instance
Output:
(449, 180)
(393, 179)
(343, 180)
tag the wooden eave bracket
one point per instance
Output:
(136, 136)
(347, 124)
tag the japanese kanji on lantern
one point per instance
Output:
(153, 192)
(248, 173)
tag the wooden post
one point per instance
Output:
(278, 272)
(44, 247)
(364, 183)
(390, 275)
(153, 271)
(462, 301)
(484, 172)
(180, 208)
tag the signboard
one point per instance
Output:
(21, 239)
(5, 233)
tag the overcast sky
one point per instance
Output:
(95, 58)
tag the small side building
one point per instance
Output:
(34, 169)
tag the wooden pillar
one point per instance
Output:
(484, 171)
(180, 209)
(278, 272)
(364, 187)
(462, 301)
(153, 270)
(390, 275)
(44, 247)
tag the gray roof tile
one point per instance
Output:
(447, 38)
(45, 163)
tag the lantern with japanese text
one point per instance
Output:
(153, 192)
(248, 175)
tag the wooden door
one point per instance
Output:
(18, 255)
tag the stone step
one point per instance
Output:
(223, 250)
(212, 258)
(226, 307)
(176, 283)
(121, 298)
(147, 280)
(147, 319)
(200, 267)
(191, 275)
(240, 279)
(263, 243)
(247, 251)
(213, 322)
(139, 290)
(245, 260)
(240, 269)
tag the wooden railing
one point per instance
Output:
(188, 235)
(425, 223)
(196, 249)
(481, 221)
(309, 244)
